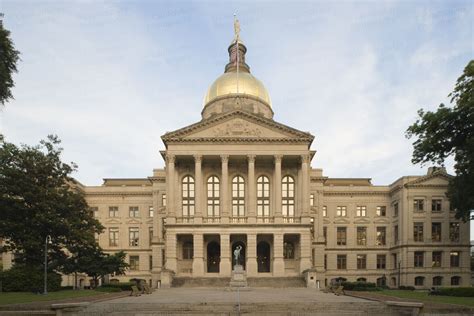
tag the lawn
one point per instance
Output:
(424, 297)
(26, 297)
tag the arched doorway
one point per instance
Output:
(242, 257)
(213, 257)
(263, 256)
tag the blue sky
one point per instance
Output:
(111, 77)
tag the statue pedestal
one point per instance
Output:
(239, 277)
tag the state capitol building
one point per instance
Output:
(239, 178)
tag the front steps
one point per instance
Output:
(283, 282)
(200, 282)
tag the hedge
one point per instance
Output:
(406, 288)
(124, 286)
(28, 279)
(359, 286)
(455, 291)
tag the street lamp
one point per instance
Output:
(46, 241)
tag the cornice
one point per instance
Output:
(88, 194)
(439, 186)
(157, 179)
(226, 140)
(354, 193)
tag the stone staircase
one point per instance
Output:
(252, 282)
(200, 282)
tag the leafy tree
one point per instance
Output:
(38, 198)
(8, 60)
(95, 263)
(450, 132)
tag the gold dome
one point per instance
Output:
(227, 84)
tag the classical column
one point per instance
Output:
(224, 189)
(170, 172)
(225, 266)
(198, 189)
(277, 185)
(171, 260)
(198, 255)
(305, 185)
(305, 251)
(251, 191)
(278, 262)
(251, 265)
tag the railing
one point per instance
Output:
(213, 219)
(238, 220)
(291, 220)
(184, 219)
(265, 219)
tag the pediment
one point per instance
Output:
(436, 179)
(237, 125)
(134, 221)
(113, 221)
(362, 221)
(341, 221)
(381, 221)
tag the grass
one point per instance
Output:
(27, 297)
(424, 297)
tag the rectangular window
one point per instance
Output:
(419, 281)
(418, 232)
(311, 199)
(436, 259)
(454, 232)
(395, 234)
(454, 259)
(151, 262)
(133, 211)
(418, 205)
(151, 211)
(395, 209)
(361, 236)
(361, 211)
(325, 211)
(341, 211)
(381, 261)
(341, 262)
(361, 262)
(325, 262)
(341, 236)
(381, 211)
(134, 263)
(394, 260)
(419, 259)
(133, 237)
(113, 211)
(436, 232)
(325, 234)
(436, 205)
(163, 200)
(455, 280)
(95, 211)
(150, 235)
(381, 236)
(113, 237)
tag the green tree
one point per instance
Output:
(9, 57)
(38, 197)
(449, 131)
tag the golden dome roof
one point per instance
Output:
(247, 84)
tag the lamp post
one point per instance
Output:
(46, 241)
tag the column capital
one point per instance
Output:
(197, 158)
(170, 158)
(225, 158)
(251, 158)
(305, 158)
(278, 158)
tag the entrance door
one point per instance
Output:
(213, 257)
(263, 256)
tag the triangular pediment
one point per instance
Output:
(436, 179)
(341, 221)
(237, 125)
(134, 221)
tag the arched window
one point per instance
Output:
(455, 280)
(213, 196)
(263, 196)
(361, 280)
(288, 250)
(419, 281)
(437, 281)
(187, 250)
(238, 196)
(288, 196)
(188, 196)
(381, 281)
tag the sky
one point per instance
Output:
(110, 77)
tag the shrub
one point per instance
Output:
(406, 288)
(22, 278)
(359, 286)
(124, 286)
(455, 291)
(108, 289)
(68, 287)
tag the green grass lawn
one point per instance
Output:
(424, 297)
(26, 297)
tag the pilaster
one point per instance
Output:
(224, 190)
(225, 263)
(277, 191)
(198, 255)
(278, 262)
(252, 201)
(251, 265)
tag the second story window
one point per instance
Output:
(213, 196)
(113, 211)
(133, 237)
(311, 199)
(361, 211)
(381, 236)
(454, 259)
(436, 232)
(288, 196)
(151, 212)
(395, 234)
(133, 211)
(188, 196)
(325, 211)
(263, 196)
(436, 205)
(163, 200)
(361, 236)
(395, 209)
(238, 196)
(341, 236)
(418, 205)
(436, 259)
(381, 211)
(95, 211)
(418, 232)
(419, 259)
(113, 237)
(454, 232)
(341, 211)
